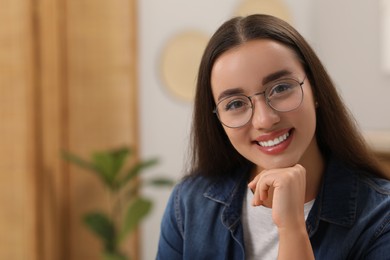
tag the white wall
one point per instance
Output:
(346, 35)
(165, 120)
(347, 38)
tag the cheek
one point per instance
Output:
(308, 109)
(306, 118)
(231, 134)
(236, 136)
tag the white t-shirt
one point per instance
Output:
(260, 233)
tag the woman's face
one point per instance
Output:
(246, 69)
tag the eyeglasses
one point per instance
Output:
(282, 96)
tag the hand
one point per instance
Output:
(286, 188)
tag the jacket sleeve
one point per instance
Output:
(170, 245)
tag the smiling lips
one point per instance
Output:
(275, 141)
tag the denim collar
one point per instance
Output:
(336, 202)
(230, 192)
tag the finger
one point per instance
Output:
(260, 193)
(256, 201)
(253, 183)
(263, 190)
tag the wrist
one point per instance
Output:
(297, 227)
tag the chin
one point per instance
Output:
(275, 163)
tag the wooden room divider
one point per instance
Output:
(68, 81)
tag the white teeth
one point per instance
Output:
(274, 142)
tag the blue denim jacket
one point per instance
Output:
(350, 218)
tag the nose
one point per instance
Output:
(264, 117)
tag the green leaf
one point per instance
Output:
(78, 161)
(103, 227)
(97, 166)
(119, 158)
(109, 164)
(137, 169)
(137, 210)
(103, 163)
(161, 181)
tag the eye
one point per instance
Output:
(280, 89)
(236, 104)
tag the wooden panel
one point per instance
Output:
(67, 81)
(53, 183)
(17, 132)
(101, 100)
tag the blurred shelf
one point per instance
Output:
(379, 140)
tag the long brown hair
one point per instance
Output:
(336, 131)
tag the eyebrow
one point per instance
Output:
(269, 78)
(276, 75)
(230, 92)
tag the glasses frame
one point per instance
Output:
(267, 101)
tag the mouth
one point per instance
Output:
(276, 141)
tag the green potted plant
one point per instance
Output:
(127, 207)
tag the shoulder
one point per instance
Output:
(373, 191)
(372, 203)
(377, 185)
(374, 197)
(191, 187)
(359, 202)
(341, 176)
(373, 213)
(196, 191)
(351, 194)
(195, 187)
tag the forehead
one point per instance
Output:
(247, 65)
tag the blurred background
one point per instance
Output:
(87, 75)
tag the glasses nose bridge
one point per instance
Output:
(251, 98)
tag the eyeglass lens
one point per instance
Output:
(282, 96)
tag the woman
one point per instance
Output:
(279, 169)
